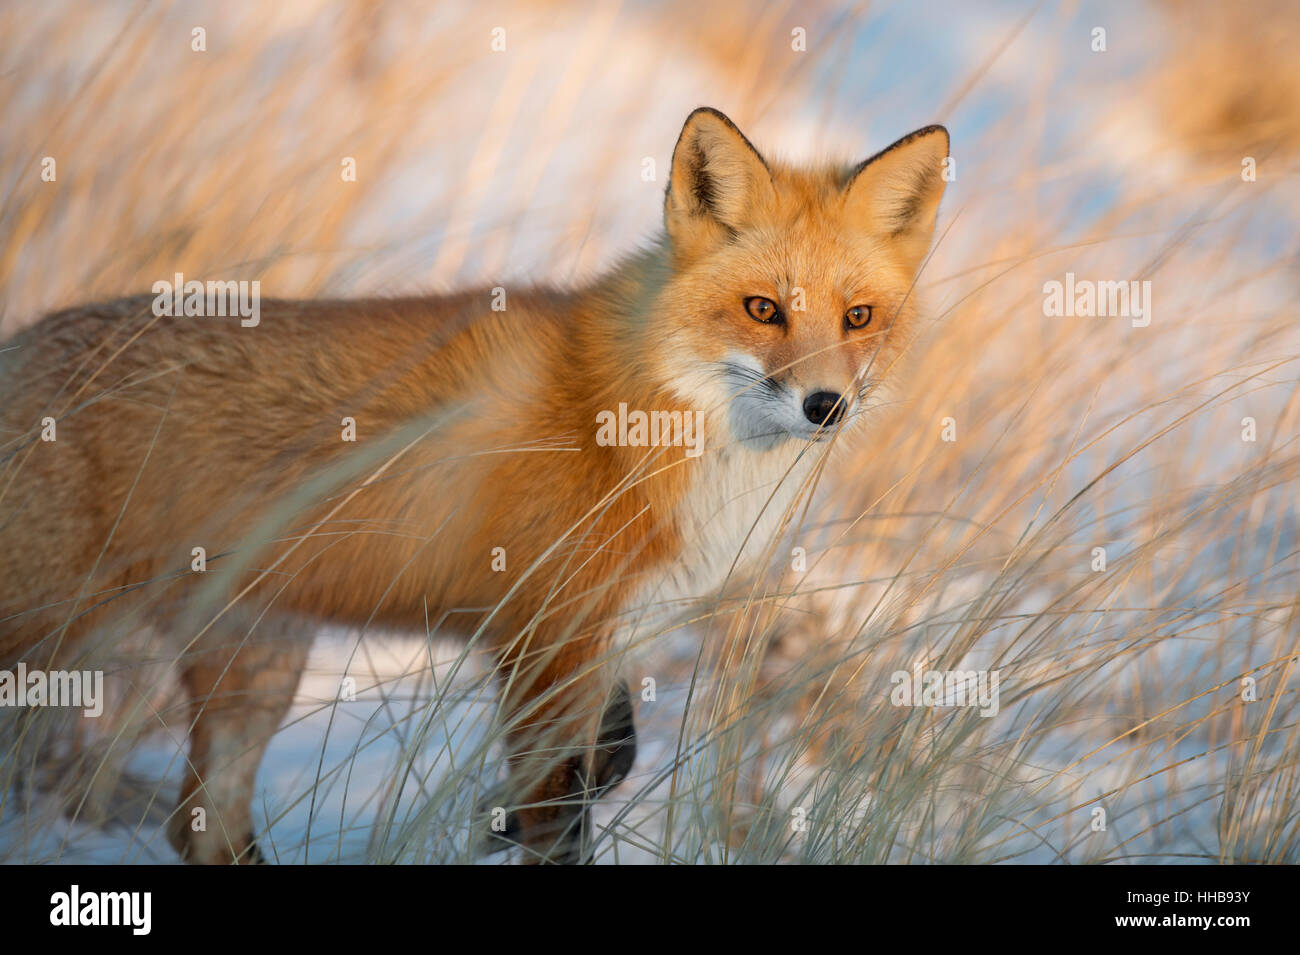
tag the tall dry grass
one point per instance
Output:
(1121, 688)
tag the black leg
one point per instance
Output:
(616, 741)
(253, 854)
(611, 761)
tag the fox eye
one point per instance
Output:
(859, 316)
(763, 310)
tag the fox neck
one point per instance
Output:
(608, 365)
(725, 502)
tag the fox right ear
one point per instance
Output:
(717, 180)
(896, 192)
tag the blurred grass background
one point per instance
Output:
(1120, 689)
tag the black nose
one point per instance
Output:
(823, 408)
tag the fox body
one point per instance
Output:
(477, 494)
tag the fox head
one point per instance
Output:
(789, 293)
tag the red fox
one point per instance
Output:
(529, 466)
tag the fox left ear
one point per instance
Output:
(718, 180)
(896, 192)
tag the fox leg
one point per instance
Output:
(615, 750)
(238, 695)
(611, 758)
(553, 824)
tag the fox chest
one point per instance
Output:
(728, 523)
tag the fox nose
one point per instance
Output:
(823, 408)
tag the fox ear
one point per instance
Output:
(717, 179)
(896, 192)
